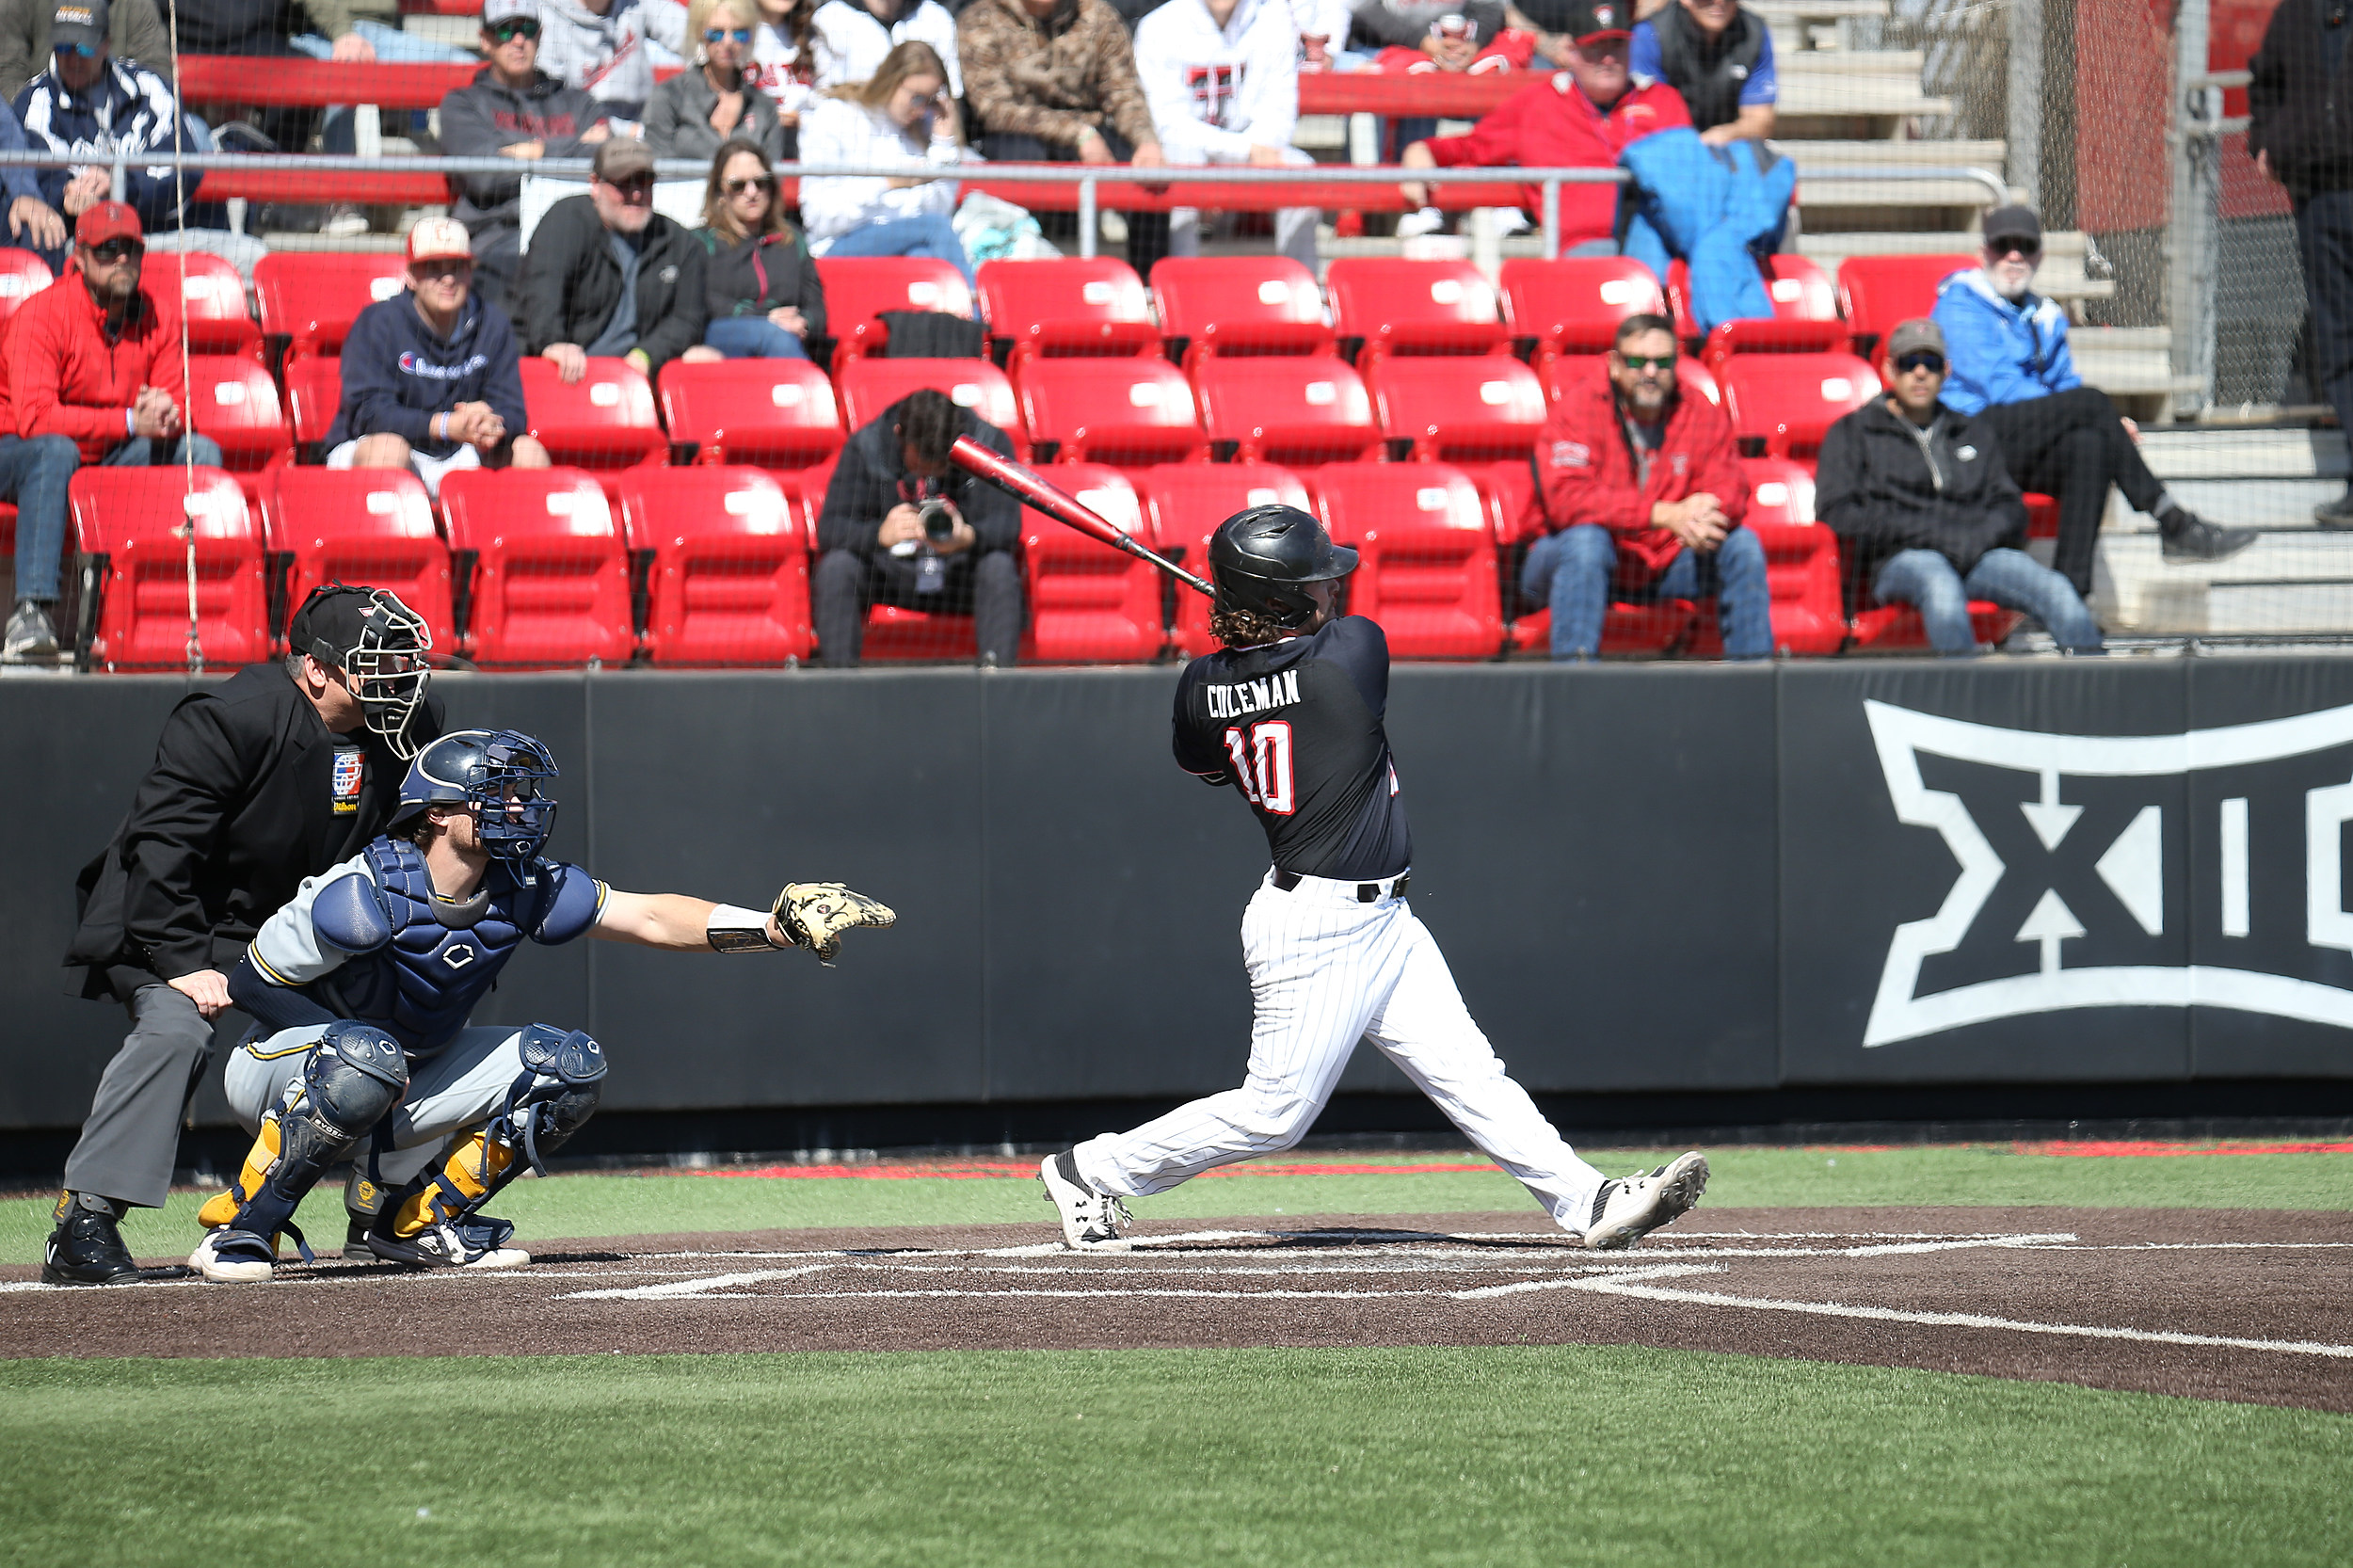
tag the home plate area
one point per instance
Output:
(2228, 1305)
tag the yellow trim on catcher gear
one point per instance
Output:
(252, 950)
(472, 1166)
(221, 1208)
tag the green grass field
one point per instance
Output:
(1536, 1455)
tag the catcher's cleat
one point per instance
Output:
(1091, 1222)
(228, 1256)
(356, 1240)
(86, 1248)
(1626, 1211)
(471, 1244)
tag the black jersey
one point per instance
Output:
(1295, 725)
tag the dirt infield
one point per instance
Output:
(2245, 1305)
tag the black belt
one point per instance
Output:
(1366, 893)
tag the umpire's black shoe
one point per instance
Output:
(87, 1249)
(2191, 538)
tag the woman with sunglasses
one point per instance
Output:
(763, 287)
(902, 117)
(718, 98)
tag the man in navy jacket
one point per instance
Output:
(431, 376)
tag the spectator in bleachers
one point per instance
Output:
(1919, 496)
(1054, 81)
(135, 31)
(512, 109)
(1720, 56)
(875, 546)
(1583, 121)
(89, 104)
(1323, 28)
(784, 51)
(1455, 47)
(431, 376)
(851, 38)
(2011, 362)
(607, 276)
(765, 298)
(717, 97)
(1381, 24)
(1643, 497)
(1223, 79)
(902, 119)
(33, 223)
(92, 365)
(598, 46)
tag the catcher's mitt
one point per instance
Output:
(815, 914)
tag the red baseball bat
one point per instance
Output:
(1027, 486)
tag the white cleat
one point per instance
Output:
(1626, 1211)
(232, 1257)
(444, 1246)
(1090, 1220)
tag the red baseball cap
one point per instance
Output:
(108, 221)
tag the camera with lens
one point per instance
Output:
(938, 518)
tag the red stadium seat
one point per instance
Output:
(314, 391)
(310, 297)
(775, 414)
(1465, 409)
(1428, 567)
(234, 400)
(1072, 306)
(869, 386)
(605, 420)
(359, 525)
(541, 577)
(1187, 502)
(1801, 289)
(1130, 411)
(1238, 305)
(2042, 516)
(1801, 562)
(1088, 602)
(1395, 307)
(1877, 292)
(1295, 408)
(727, 581)
(858, 289)
(212, 294)
(129, 522)
(1782, 404)
(1897, 627)
(22, 275)
(1573, 306)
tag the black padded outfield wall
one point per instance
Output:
(1646, 878)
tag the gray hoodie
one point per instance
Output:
(605, 55)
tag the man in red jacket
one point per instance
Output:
(1644, 484)
(94, 374)
(1580, 118)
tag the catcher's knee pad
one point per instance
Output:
(351, 1081)
(552, 1097)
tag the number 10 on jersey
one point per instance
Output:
(1262, 761)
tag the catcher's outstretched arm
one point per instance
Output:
(677, 923)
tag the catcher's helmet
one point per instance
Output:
(499, 773)
(1262, 559)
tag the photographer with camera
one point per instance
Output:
(903, 526)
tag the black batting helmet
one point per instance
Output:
(1262, 558)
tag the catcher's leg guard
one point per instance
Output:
(351, 1081)
(438, 1218)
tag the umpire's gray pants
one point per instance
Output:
(131, 1139)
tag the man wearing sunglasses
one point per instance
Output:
(2011, 362)
(1929, 516)
(514, 110)
(609, 276)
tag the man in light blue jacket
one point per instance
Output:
(2011, 362)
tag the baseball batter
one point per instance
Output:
(1290, 713)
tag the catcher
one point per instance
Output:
(362, 984)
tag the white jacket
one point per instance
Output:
(835, 130)
(850, 42)
(784, 76)
(605, 55)
(1216, 91)
(1328, 17)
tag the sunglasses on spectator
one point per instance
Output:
(443, 267)
(721, 35)
(79, 51)
(1926, 358)
(514, 28)
(1647, 362)
(633, 186)
(765, 184)
(114, 252)
(2028, 248)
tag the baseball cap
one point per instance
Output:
(620, 158)
(1918, 335)
(102, 221)
(2013, 223)
(82, 21)
(496, 11)
(435, 238)
(1582, 20)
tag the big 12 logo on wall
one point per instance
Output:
(2202, 869)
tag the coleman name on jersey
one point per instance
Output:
(1252, 696)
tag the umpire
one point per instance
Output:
(274, 776)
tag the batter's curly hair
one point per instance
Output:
(1239, 628)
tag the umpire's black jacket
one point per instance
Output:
(867, 485)
(1885, 485)
(571, 281)
(238, 808)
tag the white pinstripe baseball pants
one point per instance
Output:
(1327, 971)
